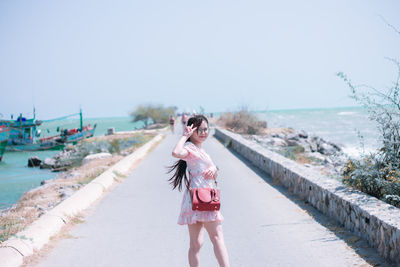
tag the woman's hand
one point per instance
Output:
(210, 173)
(189, 130)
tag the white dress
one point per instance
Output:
(197, 162)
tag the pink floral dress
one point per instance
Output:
(197, 162)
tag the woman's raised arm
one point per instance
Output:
(179, 151)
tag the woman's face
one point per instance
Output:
(201, 133)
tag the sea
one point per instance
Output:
(349, 127)
(16, 177)
(343, 126)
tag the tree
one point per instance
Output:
(158, 113)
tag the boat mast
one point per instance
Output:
(80, 113)
(21, 131)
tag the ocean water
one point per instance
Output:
(338, 125)
(16, 178)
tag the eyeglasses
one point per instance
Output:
(204, 130)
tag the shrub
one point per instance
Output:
(242, 122)
(158, 113)
(378, 173)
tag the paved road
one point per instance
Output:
(135, 224)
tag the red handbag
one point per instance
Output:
(205, 199)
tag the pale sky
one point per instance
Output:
(109, 56)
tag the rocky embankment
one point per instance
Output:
(95, 148)
(310, 150)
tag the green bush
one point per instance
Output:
(378, 173)
(158, 113)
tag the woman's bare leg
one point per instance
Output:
(196, 241)
(214, 230)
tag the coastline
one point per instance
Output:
(37, 234)
(40, 200)
(309, 150)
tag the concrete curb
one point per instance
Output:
(369, 218)
(36, 235)
(142, 131)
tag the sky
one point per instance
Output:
(108, 57)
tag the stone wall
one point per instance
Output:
(369, 218)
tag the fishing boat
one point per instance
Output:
(77, 134)
(4, 135)
(24, 135)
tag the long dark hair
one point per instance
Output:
(179, 167)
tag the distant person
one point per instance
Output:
(184, 120)
(202, 174)
(172, 123)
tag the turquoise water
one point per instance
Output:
(16, 178)
(339, 125)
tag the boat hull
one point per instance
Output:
(34, 147)
(80, 136)
(4, 136)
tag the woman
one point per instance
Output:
(202, 174)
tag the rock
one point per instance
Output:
(339, 169)
(40, 208)
(125, 153)
(69, 147)
(43, 182)
(337, 147)
(292, 136)
(313, 147)
(278, 142)
(292, 142)
(305, 145)
(48, 163)
(91, 157)
(313, 141)
(72, 174)
(326, 149)
(328, 161)
(278, 135)
(66, 193)
(110, 131)
(34, 161)
(303, 134)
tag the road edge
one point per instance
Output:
(37, 234)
